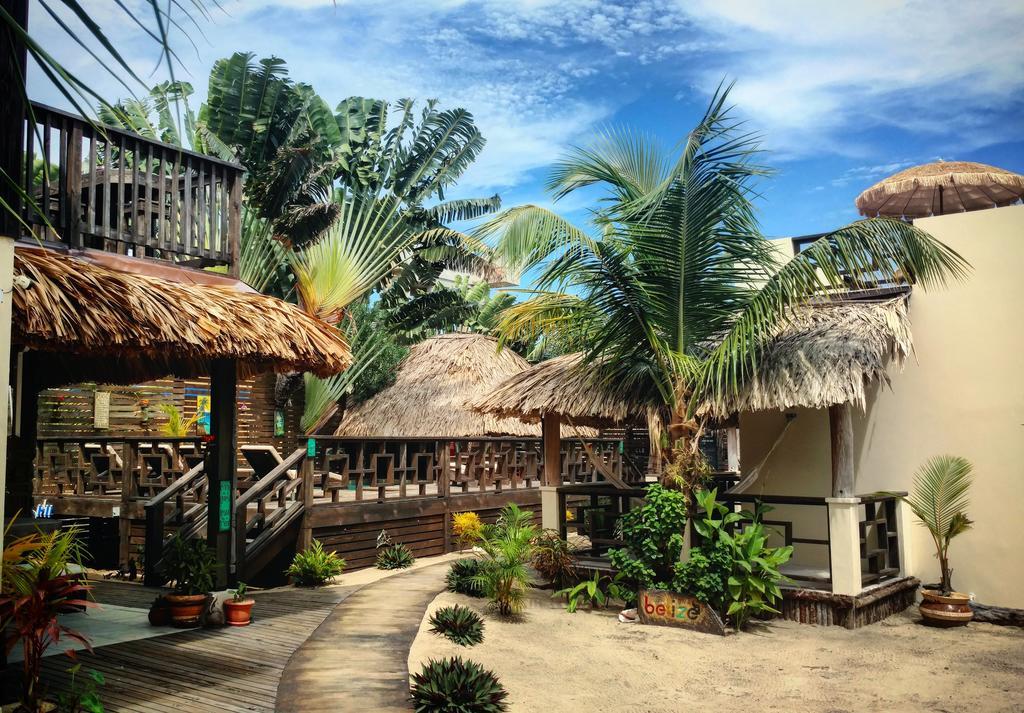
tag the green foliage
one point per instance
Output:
(456, 686)
(189, 566)
(82, 698)
(459, 624)
(599, 590)
(736, 573)
(554, 559)
(508, 548)
(241, 592)
(462, 577)
(395, 556)
(653, 535)
(940, 502)
(315, 566)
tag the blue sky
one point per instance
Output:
(843, 93)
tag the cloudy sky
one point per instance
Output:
(843, 93)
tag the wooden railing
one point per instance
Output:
(180, 509)
(879, 537)
(379, 469)
(114, 190)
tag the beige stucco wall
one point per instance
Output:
(964, 395)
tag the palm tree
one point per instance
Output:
(673, 292)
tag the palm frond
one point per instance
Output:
(527, 235)
(940, 495)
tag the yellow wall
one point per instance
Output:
(964, 395)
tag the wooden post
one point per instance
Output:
(221, 469)
(840, 421)
(128, 492)
(306, 534)
(234, 222)
(551, 432)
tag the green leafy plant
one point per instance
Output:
(177, 424)
(733, 567)
(508, 547)
(315, 566)
(84, 698)
(653, 537)
(599, 590)
(459, 624)
(939, 501)
(241, 592)
(454, 685)
(189, 565)
(461, 577)
(554, 559)
(396, 556)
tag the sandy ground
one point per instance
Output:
(553, 661)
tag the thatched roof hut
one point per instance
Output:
(939, 188)
(433, 391)
(826, 355)
(99, 316)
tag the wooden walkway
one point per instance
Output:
(229, 669)
(357, 659)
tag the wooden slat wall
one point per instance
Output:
(69, 411)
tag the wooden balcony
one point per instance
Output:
(113, 190)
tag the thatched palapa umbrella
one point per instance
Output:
(939, 188)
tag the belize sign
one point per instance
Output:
(656, 606)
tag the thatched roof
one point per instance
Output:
(826, 355)
(121, 319)
(563, 385)
(941, 187)
(434, 387)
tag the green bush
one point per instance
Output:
(315, 566)
(459, 624)
(653, 535)
(457, 686)
(461, 577)
(189, 565)
(553, 558)
(508, 547)
(737, 573)
(599, 590)
(395, 556)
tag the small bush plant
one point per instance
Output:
(315, 567)
(396, 556)
(598, 591)
(467, 528)
(190, 566)
(508, 548)
(461, 577)
(553, 558)
(459, 624)
(457, 686)
(653, 535)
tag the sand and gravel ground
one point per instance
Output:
(552, 661)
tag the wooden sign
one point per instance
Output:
(101, 410)
(656, 606)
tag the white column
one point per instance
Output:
(904, 523)
(6, 284)
(844, 544)
(549, 516)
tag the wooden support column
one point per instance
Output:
(840, 422)
(220, 466)
(551, 432)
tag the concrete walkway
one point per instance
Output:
(356, 660)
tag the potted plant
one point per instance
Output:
(238, 609)
(939, 501)
(190, 566)
(159, 612)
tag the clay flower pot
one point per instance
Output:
(160, 613)
(238, 613)
(186, 608)
(953, 609)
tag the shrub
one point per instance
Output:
(461, 577)
(508, 547)
(735, 570)
(653, 535)
(596, 591)
(553, 558)
(315, 566)
(467, 528)
(396, 556)
(189, 565)
(459, 624)
(451, 685)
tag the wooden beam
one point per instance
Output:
(840, 422)
(220, 465)
(551, 431)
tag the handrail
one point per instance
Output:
(180, 484)
(267, 480)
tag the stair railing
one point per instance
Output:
(182, 505)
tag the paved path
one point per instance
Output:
(356, 660)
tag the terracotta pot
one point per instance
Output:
(186, 608)
(238, 613)
(953, 609)
(160, 614)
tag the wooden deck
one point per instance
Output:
(228, 669)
